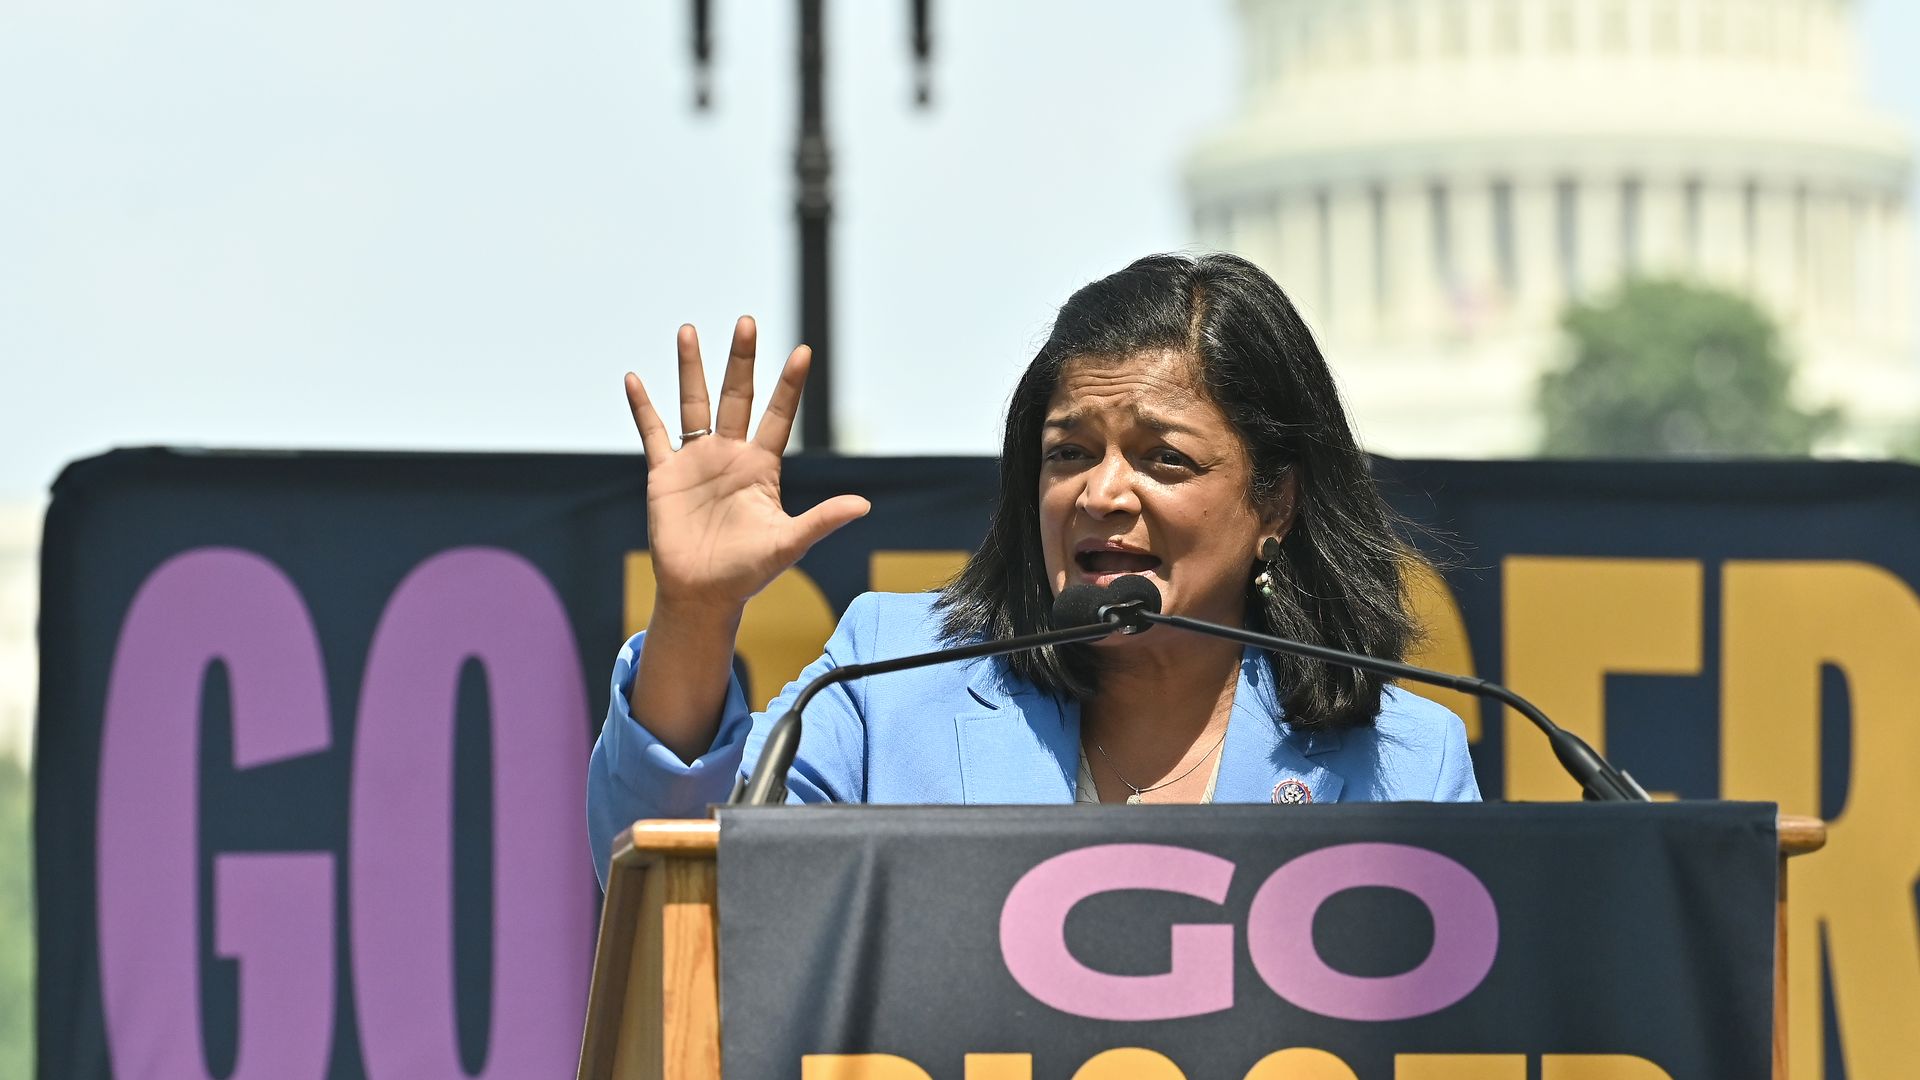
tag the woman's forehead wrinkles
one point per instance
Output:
(1148, 386)
(1152, 421)
(1160, 407)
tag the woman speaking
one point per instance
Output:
(1180, 424)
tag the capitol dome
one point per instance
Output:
(1433, 180)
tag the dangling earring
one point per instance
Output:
(1263, 581)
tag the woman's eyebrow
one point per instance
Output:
(1161, 424)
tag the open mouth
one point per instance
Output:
(1116, 562)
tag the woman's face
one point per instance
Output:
(1141, 473)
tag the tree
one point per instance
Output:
(1670, 368)
(1907, 449)
(16, 919)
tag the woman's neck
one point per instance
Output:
(1154, 704)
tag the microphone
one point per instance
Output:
(1080, 613)
(1597, 776)
(1083, 604)
(1130, 600)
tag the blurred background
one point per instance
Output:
(1520, 227)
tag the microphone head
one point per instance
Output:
(1134, 589)
(1079, 605)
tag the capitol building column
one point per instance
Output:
(1902, 319)
(1538, 263)
(1826, 300)
(1410, 266)
(1351, 307)
(1876, 270)
(1252, 228)
(1596, 236)
(1476, 284)
(1298, 268)
(1777, 278)
(1663, 227)
(1723, 241)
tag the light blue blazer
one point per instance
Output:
(974, 732)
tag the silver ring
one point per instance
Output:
(685, 435)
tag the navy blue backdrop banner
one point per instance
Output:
(1388, 940)
(313, 727)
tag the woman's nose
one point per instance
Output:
(1109, 488)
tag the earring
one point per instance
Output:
(1263, 581)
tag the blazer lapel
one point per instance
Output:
(1017, 744)
(1264, 759)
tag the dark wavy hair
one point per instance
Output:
(1342, 559)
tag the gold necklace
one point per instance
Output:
(1135, 799)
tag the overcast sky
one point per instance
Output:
(420, 224)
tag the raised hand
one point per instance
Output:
(715, 524)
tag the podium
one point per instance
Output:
(654, 1012)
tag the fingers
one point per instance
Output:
(653, 433)
(776, 424)
(736, 388)
(694, 414)
(814, 525)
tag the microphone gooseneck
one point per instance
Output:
(1596, 775)
(1077, 614)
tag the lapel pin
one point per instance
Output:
(1291, 792)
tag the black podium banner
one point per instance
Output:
(1604, 942)
(313, 727)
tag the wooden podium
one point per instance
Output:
(654, 1009)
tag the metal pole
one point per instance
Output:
(813, 194)
(813, 206)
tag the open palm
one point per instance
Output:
(715, 524)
